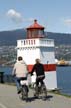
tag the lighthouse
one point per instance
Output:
(37, 46)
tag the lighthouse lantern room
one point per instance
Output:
(37, 46)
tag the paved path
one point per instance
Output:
(10, 99)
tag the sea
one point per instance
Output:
(63, 77)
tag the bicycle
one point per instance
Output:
(40, 91)
(24, 89)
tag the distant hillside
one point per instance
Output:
(60, 38)
(10, 37)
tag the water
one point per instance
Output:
(63, 78)
(6, 70)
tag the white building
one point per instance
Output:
(37, 46)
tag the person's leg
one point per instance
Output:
(42, 82)
(43, 87)
(36, 87)
(17, 81)
(37, 81)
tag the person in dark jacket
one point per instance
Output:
(38, 68)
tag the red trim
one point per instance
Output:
(47, 67)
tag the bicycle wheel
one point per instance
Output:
(44, 92)
(24, 92)
(36, 91)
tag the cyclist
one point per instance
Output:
(38, 68)
(20, 71)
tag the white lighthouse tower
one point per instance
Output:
(37, 46)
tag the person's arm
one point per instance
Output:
(33, 69)
(27, 71)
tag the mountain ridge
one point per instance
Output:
(11, 37)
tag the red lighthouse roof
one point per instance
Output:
(35, 26)
(35, 30)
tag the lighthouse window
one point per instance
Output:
(34, 33)
(34, 41)
(21, 41)
(24, 42)
(40, 32)
(31, 41)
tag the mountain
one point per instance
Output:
(60, 38)
(11, 37)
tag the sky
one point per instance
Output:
(54, 15)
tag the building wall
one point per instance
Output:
(29, 54)
(47, 57)
(44, 50)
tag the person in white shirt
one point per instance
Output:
(20, 71)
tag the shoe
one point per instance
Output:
(19, 91)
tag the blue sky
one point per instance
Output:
(55, 15)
